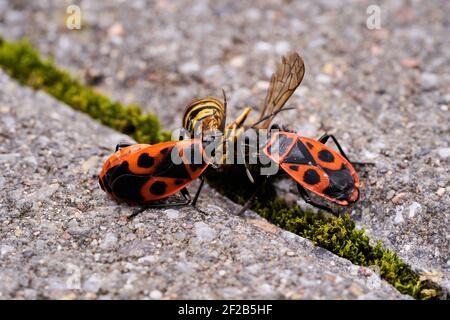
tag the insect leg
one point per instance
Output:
(248, 203)
(273, 114)
(308, 200)
(197, 194)
(323, 139)
(122, 145)
(186, 196)
(251, 199)
(184, 192)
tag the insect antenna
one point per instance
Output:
(222, 126)
(273, 114)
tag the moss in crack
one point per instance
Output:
(338, 235)
(24, 64)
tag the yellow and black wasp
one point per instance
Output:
(206, 117)
(315, 167)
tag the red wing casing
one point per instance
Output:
(315, 166)
(143, 173)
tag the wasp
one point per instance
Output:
(314, 166)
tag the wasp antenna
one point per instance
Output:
(273, 114)
(224, 110)
(224, 97)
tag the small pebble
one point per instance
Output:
(237, 62)
(204, 232)
(5, 249)
(189, 67)
(413, 209)
(429, 81)
(282, 47)
(440, 192)
(444, 153)
(390, 194)
(263, 46)
(18, 232)
(410, 62)
(399, 198)
(398, 217)
(172, 213)
(155, 294)
(116, 30)
(445, 98)
(323, 78)
(108, 241)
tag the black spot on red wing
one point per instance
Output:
(167, 168)
(311, 177)
(341, 184)
(179, 181)
(164, 150)
(310, 145)
(114, 172)
(145, 160)
(128, 187)
(158, 188)
(293, 167)
(177, 171)
(325, 155)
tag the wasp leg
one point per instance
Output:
(184, 192)
(123, 145)
(308, 200)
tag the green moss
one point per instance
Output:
(23, 63)
(337, 235)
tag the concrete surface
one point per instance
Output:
(384, 93)
(61, 237)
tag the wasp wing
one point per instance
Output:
(284, 81)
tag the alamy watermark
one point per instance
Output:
(245, 148)
(73, 19)
(373, 21)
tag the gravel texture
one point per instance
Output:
(62, 237)
(384, 93)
